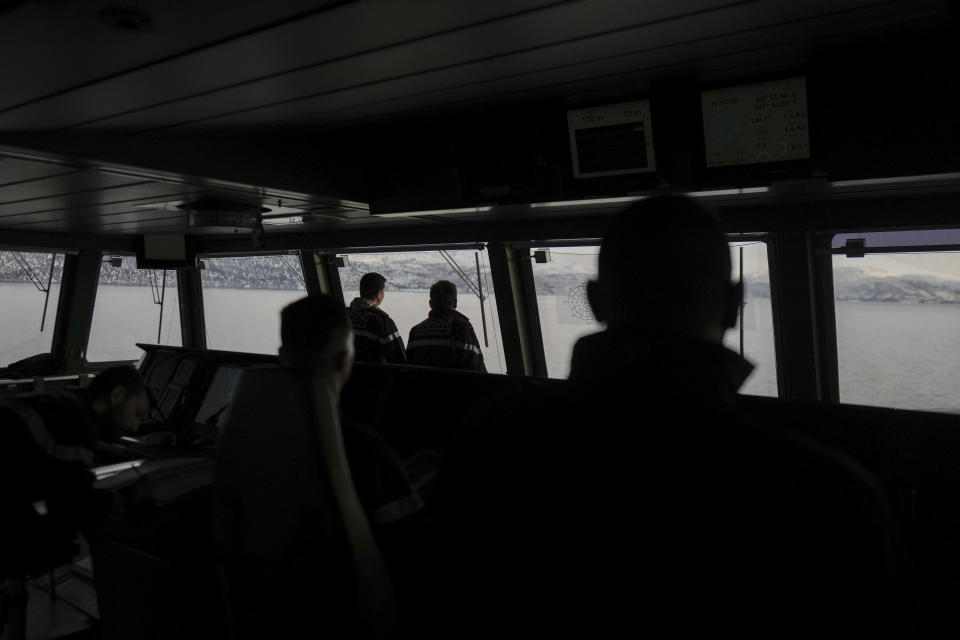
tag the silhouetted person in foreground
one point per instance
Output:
(376, 336)
(315, 338)
(274, 521)
(637, 497)
(446, 338)
(47, 445)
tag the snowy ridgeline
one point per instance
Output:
(16, 266)
(417, 273)
(861, 285)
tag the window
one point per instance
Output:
(133, 305)
(29, 293)
(242, 299)
(756, 320)
(898, 323)
(565, 315)
(409, 278)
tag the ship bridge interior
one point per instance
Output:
(329, 131)
(114, 120)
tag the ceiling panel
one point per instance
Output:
(97, 197)
(143, 226)
(96, 223)
(32, 193)
(53, 46)
(632, 51)
(55, 201)
(393, 55)
(345, 31)
(14, 170)
(497, 40)
(90, 211)
(581, 77)
(219, 66)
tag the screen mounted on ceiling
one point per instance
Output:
(755, 123)
(164, 251)
(611, 140)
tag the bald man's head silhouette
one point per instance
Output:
(665, 265)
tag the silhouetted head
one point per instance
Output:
(373, 286)
(119, 396)
(443, 295)
(665, 265)
(316, 338)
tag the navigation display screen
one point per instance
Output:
(611, 140)
(756, 123)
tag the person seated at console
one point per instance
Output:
(446, 338)
(316, 339)
(638, 495)
(273, 513)
(47, 444)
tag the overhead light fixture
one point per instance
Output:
(897, 180)
(283, 221)
(433, 212)
(589, 202)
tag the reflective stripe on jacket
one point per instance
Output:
(376, 337)
(445, 339)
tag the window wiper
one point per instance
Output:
(477, 288)
(159, 291)
(37, 280)
(296, 274)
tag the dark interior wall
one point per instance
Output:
(257, 158)
(885, 108)
(894, 110)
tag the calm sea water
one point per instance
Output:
(896, 355)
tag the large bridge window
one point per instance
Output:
(753, 335)
(565, 315)
(133, 305)
(898, 321)
(29, 292)
(242, 299)
(409, 278)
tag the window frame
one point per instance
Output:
(54, 320)
(824, 252)
(535, 330)
(472, 246)
(98, 365)
(201, 316)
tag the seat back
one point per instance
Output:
(294, 540)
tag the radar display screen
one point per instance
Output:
(611, 140)
(756, 123)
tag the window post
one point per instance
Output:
(78, 292)
(801, 291)
(519, 319)
(192, 322)
(321, 273)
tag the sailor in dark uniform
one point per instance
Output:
(47, 444)
(446, 338)
(376, 337)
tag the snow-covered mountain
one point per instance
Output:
(867, 285)
(405, 272)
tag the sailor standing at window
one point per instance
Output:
(446, 338)
(376, 336)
